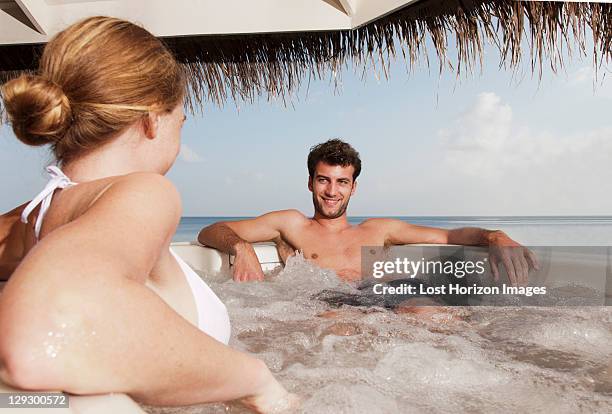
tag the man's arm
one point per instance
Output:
(400, 232)
(517, 259)
(235, 237)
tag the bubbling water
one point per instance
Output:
(368, 359)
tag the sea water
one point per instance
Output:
(530, 231)
(357, 359)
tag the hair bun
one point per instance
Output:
(37, 109)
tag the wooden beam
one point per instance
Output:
(348, 7)
(28, 12)
(367, 11)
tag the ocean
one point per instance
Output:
(527, 230)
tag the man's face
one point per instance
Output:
(332, 187)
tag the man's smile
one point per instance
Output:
(331, 202)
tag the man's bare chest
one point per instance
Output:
(334, 250)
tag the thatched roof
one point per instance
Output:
(247, 66)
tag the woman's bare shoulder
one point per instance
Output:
(149, 195)
(125, 229)
(143, 184)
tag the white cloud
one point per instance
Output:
(598, 85)
(189, 155)
(485, 125)
(581, 76)
(523, 170)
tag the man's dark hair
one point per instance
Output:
(334, 152)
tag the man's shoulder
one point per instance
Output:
(384, 226)
(381, 222)
(283, 218)
(288, 214)
(292, 212)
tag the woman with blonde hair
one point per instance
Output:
(98, 303)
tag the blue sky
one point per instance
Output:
(492, 143)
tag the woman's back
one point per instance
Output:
(87, 308)
(69, 204)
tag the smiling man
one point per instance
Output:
(331, 242)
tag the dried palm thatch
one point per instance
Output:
(244, 67)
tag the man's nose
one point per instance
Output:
(331, 189)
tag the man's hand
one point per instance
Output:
(246, 264)
(517, 260)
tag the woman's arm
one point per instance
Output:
(76, 315)
(12, 235)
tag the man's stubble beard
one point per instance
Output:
(319, 208)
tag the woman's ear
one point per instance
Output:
(150, 124)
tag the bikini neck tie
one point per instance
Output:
(58, 180)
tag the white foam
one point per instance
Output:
(374, 361)
(358, 399)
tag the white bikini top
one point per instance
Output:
(58, 180)
(212, 314)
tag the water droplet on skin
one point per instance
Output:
(51, 350)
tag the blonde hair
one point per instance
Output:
(95, 78)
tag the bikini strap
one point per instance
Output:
(58, 180)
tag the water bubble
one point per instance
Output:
(367, 359)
